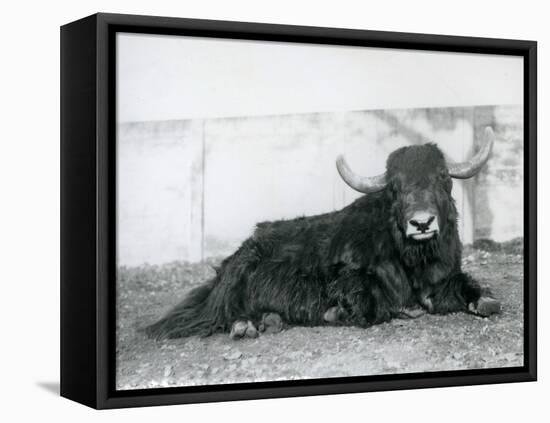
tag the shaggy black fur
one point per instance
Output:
(357, 258)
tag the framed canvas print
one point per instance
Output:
(255, 211)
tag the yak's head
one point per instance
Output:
(418, 178)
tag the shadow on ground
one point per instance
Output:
(51, 387)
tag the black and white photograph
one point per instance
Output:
(276, 211)
(293, 211)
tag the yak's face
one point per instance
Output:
(420, 185)
(418, 178)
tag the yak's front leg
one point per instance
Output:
(461, 293)
(365, 298)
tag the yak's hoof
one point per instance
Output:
(334, 314)
(331, 315)
(271, 323)
(411, 313)
(241, 329)
(251, 331)
(427, 304)
(486, 306)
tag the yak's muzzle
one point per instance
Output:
(422, 226)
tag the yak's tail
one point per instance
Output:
(214, 306)
(193, 316)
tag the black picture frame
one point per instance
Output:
(88, 209)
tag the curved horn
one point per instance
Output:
(471, 167)
(364, 184)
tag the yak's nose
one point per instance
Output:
(422, 226)
(422, 223)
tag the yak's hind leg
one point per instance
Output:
(243, 329)
(462, 293)
(280, 295)
(269, 323)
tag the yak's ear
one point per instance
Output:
(472, 167)
(364, 184)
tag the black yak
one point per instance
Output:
(392, 250)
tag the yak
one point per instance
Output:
(393, 252)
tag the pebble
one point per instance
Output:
(233, 356)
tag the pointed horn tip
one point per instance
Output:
(341, 164)
(489, 138)
(489, 133)
(473, 166)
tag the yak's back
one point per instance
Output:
(318, 239)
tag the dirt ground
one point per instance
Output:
(428, 343)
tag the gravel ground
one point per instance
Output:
(428, 343)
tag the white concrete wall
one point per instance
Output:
(195, 188)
